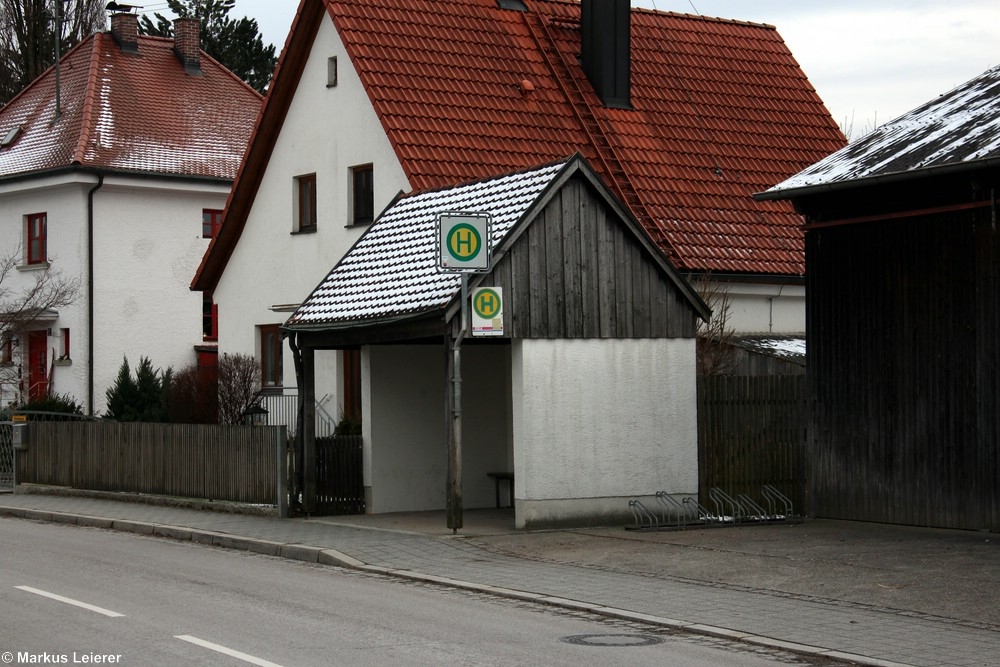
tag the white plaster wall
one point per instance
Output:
(762, 308)
(64, 200)
(148, 244)
(326, 131)
(405, 425)
(596, 422)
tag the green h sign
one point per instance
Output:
(464, 242)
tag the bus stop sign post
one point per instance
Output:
(463, 248)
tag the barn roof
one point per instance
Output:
(956, 130)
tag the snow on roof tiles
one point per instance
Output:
(392, 271)
(131, 113)
(961, 126)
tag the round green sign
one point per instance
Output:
(486, 304)
(463, 242)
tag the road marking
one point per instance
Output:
(226, 651)
(76, 603)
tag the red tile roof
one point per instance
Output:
(131, 114)
(466, 90)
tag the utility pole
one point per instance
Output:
(58, 34)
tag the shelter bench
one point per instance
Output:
(498, 477)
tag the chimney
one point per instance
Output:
(125, 30)
(187, 44)
(606, 49)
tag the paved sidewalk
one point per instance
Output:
(618, 573)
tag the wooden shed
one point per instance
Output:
(587, 396)
(903, 317)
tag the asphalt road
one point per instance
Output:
(76, 595)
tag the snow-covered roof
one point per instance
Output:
(790, 347)
(129, 113)
(959, 127)
(392, 271)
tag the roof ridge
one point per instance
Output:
(87, 111)
(703, 17)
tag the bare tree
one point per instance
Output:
(239, 384)
(25, 300)
(716, 354)
(27, 36)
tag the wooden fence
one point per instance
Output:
(751, 432)
(244, 464)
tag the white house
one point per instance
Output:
(685, 117)
(114, 171)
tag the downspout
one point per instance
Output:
(90, 292)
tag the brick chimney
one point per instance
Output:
(187, 44)
(125, 30)
(606, 52)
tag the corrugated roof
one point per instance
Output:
(392, 271)
(466, 90)
(961, 126)
(131, 113)
(721, 111)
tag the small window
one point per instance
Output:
(305, 203)
(64, 344)
(209, 317)
(36, 240)
(7, 352)
(363, 198)
(270, 356)
(331, 72)
(211, 220)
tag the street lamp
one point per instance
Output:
(255, 415)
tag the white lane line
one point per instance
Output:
(76, 603)
(226, 651)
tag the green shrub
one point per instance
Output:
(63, 403)
(143, 398)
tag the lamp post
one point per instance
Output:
(255, 415)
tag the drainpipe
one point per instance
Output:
(90, 292)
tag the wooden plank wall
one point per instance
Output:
(904, 337)
(751, 431)
(230, 463)
(578, 272)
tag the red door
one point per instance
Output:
(38, 381)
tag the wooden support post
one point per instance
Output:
(308, 427)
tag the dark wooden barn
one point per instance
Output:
(903, 317)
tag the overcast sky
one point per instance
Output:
(870, 60)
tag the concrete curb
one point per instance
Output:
(327, 556)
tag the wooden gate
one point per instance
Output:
(751, 432)
(340, 487)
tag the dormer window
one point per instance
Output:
(11, 136)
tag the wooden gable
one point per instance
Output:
(581, 268)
